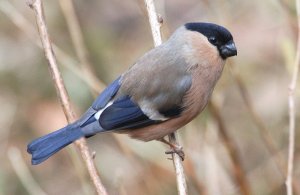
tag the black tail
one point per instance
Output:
(44, 147)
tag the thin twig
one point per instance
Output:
(180, 176)
(66, 60)
(77, 40)
(239, 172)
(263, 130)
(36, 5)
(155, 23)
(292, 112)
(23, 173)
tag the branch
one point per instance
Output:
(36, 5)
(292, 112)
(23, 173)
(263, 130)
(238, 171)
(78, 43)
(155, 23)
(66, 60)
(180, 176)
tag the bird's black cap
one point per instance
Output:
(209, 30)
(216, 35)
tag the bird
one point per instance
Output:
(161, 92)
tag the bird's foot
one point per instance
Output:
(178, 150)
(175, 149)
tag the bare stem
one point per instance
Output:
(180, 176)
(78, 42)
(37, 6)
(155, 23)
(263, 130)
(66, 60)
(238, 171)
(22, 171)
(292, 112)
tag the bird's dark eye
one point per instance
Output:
(212, 40)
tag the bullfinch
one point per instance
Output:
(164, 90)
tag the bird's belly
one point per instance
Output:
(158, 131)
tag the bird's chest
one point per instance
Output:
(203, 83)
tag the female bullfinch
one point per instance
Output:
(164, 90)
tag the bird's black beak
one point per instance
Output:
(228, 50)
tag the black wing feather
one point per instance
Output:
(124, 114)
(107, 95)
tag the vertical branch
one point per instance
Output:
(155, 23)
(180, 176)
(36, 5)
(238, 171)
(23, 24)
(263, 130)
(77, 39)
(23, 173)
(292, 114)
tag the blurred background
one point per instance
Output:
(238, 145)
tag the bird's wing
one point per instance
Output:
(152, 91)
(106, 95)
(124, 114)
(102, 100)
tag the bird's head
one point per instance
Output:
(216, 35)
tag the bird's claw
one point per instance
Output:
(178, 150)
